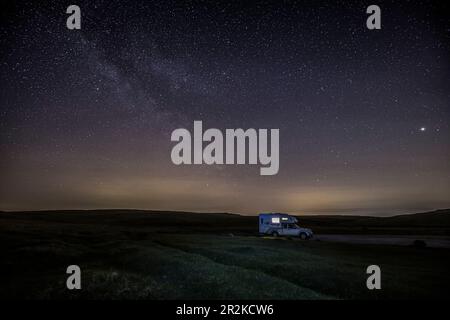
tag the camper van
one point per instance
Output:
(281, 224)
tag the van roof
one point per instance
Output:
(274, 214)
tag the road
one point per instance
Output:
(431, 241)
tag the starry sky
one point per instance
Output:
(86, 115)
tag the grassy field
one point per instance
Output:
(144, 255)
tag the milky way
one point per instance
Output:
(86, 115)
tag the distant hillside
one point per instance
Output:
(432, 218)
(435, 222)
(426, 222)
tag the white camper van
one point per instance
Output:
(281, 224)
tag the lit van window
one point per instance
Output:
(275, 220)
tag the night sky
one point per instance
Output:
(86, 115)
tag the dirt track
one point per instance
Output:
(431, 241)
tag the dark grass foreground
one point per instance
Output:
(148, 255)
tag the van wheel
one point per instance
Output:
(303, 236)
(275, 234)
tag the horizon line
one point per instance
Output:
(222, 212)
